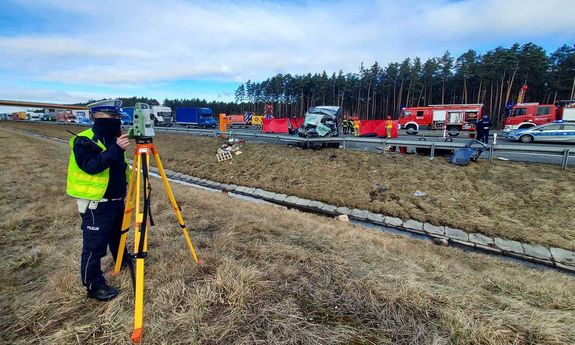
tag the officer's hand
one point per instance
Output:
(123, 141)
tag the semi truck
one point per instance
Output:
(163, 116)
(452, 117)
(527, 115)
(195, 117)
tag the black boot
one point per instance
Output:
(105, 293)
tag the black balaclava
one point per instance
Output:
(107, 127)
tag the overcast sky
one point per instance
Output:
(73, 50)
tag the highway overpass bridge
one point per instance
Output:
(27, 104)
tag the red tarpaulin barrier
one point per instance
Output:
(377, 127)
(275, 126)
(296, 123)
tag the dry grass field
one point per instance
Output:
(271, 276)
(525, 202)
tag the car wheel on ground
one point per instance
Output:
(411, 130)
(453, 131)
(526, 138)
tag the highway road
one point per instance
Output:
(429, 136)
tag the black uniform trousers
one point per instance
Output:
(484, 136)
(100, 229)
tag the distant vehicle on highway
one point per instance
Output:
(85, 121)
(452, 117)
(559, 131)
(48, 117)
(18, 116)
(163, 116)
(65, 116)
(196, 117)
(527, 115)
(34, 116)
(126, 116)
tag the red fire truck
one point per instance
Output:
(65, 116)
(526, 115)
(453, 117)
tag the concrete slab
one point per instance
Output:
(465, 243)
(316, 205)
(301, 202)
(343, 210)
(433, 229)
(359, 214)
(393, 221)
(279, 197)
(488, 248)
(480, 239)
(268, 195)
(376, 218)
(241, 189)
(508, 245)
(330, 209)
(565, 267)
(413, 225)
(292, 200)
(563, 256)
(259, 192)
(250, 191)
(456, 234)
(537, 251)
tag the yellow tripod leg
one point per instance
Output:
(128, 211)
(139, 293)
(175, 206)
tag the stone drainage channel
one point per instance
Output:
(531, 255)
(527, 254)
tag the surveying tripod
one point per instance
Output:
(140, 182)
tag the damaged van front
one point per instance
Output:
(321, 121)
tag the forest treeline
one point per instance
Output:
(493, 78)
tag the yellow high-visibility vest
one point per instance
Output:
(82, 185)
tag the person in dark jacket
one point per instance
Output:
(97, 178)
(478, 129)
(483, 126)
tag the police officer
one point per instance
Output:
(97, 178)
(483, 126)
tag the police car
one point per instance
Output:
(558, 131)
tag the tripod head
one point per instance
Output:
(144, 140)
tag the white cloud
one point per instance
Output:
(130, 42)
(49, 95)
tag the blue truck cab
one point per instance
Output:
(127, 115)
(198, 117)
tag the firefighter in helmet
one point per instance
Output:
(356, 127)
(388, 126)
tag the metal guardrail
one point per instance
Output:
(563, 152)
